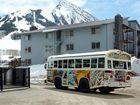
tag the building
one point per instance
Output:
(117, 33)
(7, 55)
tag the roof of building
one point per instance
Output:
(70, 26)
(135, 22)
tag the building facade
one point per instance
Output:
(117, 33)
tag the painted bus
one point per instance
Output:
(103, 71)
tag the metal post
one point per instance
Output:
(1, 79)
(28, 70)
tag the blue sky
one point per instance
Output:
(102, 9)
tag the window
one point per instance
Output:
(69, 47)
(93, 62)
(101, 63)
(129, 65)
(68, 32)
(86, 63)
(94, 30)
(49, 35)
(95, 45)
(27, 37)
(28, 61)
(109, 64)
(60, 64)
(55, 64)
(78, 63)
(29, 49)
(71, 63)
(50, 64)
(119, 65)
(65, 63)
(98, 45)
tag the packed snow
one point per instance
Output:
(37, 74)
(7, 43)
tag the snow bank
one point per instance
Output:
(135, 65)
(37, 74)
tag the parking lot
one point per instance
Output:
(49, 95)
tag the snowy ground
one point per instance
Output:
(37, 74)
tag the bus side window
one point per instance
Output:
(71, 63)
(55, 64)
(93, 62)
(65, 64)
(101, 63)
(86, 63)
(78, 63)
(109, 64)
(129, 65)
(60, 64)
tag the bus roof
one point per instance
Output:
(101, 53)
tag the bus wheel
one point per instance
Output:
(57, 83)
(84, 85)
(105, 90)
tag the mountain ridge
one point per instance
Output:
(64, 13)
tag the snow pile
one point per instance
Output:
(135, 65)
(7, 43)
(37, 74)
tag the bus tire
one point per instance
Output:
(58, 83)
(84, 86)
(105, 90)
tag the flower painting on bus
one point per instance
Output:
(96, 77)
(75, 76)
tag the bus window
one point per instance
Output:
(50, 64)
(93, 62)
(71, 63)
(119, 65)
(129, 65)
(64, 63)
(78, 63)
(109, 64)
(86, 63)
(101, 63)
(55, 64)
(60, 64)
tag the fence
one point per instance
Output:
(17, 77)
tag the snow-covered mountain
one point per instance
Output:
(63, 13)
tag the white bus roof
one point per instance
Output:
(101, 53)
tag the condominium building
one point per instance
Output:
(117, 33)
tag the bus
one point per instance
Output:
(105, 70)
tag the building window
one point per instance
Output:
(27, 37)
(28, 49)
(49, 35)
(68, 32)
(95, 45)
(70, 47)
(95, 30)
(28, 61)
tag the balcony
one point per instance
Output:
(127, 41)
